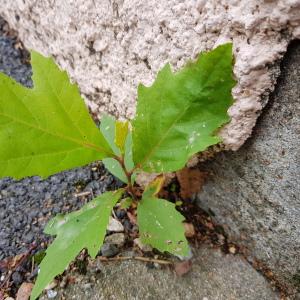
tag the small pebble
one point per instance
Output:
(17, 278)
(51, 294)
(117, 239)
(157, 266)
(109, 250)
(127, 225)
(232, 249)
(115, 225)
(120, 214)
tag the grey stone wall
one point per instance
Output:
(254, 192)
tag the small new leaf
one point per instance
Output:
(121, 134)
(85, 228)
(46, 129)
(111, 130)
(160, 224)
(180, 113)
(108, 129)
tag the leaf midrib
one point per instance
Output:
(160, 141)
(163, 137)
(75, 141)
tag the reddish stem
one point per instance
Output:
(128, 175)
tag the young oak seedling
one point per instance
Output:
(47, 129)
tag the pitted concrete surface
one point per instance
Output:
(254, 192)
(214, 276)
(109, 47)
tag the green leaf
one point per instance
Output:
(125, 203)
(115, 168)
(154, 187)
(85, 228)
(121, 132)
(160, 224)
(180, 113)
(46, 129)
(108, 129)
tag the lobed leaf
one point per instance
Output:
(85, 228)
(160, 224)
(180, 113)
(46, 129)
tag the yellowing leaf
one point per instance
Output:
(46, 129)
(180, 113)
(121, 134)
(85, 228)
(154, 187)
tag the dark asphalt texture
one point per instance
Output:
(26, 205)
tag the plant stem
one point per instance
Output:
(140, 258)
(128, 175)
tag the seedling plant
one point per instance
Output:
(47, 129)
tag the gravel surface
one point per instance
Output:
(12, 59)
(27, 205)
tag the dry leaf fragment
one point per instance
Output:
(183, 268)
(189, 230)
(191, 181)
(24, 291)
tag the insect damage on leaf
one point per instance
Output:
(85, 228)
(46, 129)
(180, 113)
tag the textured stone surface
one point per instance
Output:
(255, 191)
(109, 47)
(214, 276)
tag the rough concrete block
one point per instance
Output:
(255, 192)
(214, 276)
(109, 47)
